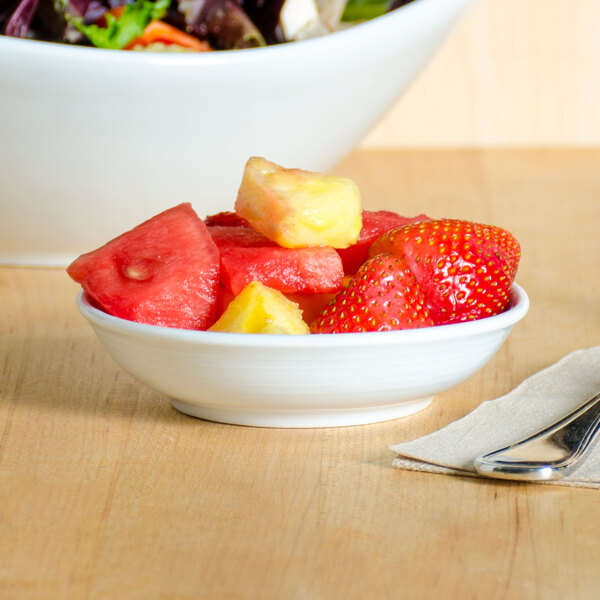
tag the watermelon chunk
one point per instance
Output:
(247, 255)
(311, 305)
(163, 272)
(226, 217)
(306, 270)
(227, 236)
(374, 225)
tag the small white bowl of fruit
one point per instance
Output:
(300, 309)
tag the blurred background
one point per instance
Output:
(515, 73)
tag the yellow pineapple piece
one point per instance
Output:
(298, 208)
(261, 309)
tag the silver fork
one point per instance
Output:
(552, 453)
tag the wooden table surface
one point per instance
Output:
(106, 492)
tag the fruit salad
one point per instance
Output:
(299, 255)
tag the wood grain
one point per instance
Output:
(107, 492)
(513, 73)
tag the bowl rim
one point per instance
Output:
(59, 51)
(518, 307)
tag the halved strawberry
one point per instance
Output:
(382, 296)
(465, 269)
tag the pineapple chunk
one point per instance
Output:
(260, 309)
(298, 208)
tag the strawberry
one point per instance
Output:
(383, 295)
(464, 269)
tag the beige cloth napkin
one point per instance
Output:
(536, 403)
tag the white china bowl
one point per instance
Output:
(320, 380)
(94, 140)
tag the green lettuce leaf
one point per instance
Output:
(362, 10)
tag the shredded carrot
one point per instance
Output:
(161, 32)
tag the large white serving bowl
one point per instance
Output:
(321, 380)
(95, 140)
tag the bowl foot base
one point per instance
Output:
(303, 418)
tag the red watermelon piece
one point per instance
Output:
(289, 270)
(374, 225)
(226, 217)
(163, 272)
(227, 236)
(311, 305)
(247, 255)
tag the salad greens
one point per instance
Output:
(122, 30)
(361, 10)
(210, 24)
(357, 10)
